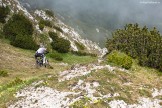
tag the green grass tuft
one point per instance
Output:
(55, 55)
(3, 73)
(74, 59)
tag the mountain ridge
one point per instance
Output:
(68, 32)
(84, 28)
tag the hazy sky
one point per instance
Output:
(114, 13)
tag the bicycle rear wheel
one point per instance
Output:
(39, 62)
(46, 64)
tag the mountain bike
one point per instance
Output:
(39, 62)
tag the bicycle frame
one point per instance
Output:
(42, 61)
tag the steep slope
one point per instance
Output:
(58, 26)
(20, 63)
(69, 34)
(88, 83)
(94, 86)
(84, 22)
(80, 85)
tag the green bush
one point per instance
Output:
(120, 59)
(24, 41)
(53, 35)
(43, 23)
(18, 24)
(3, 73)
(19, 31)
(1, 35)
(61, 45)
(4, 11)
(140, 43)
(58, 29)
(49, 13)
(55, 56)
(41, 26)
(79, 46)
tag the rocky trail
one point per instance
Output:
(46, 97)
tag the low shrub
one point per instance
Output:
(81, 53)
(53, 35)
(17, 24)
(61, 45)
(24, 41)
(4, 11)
(41, 26)
(1, 35)
(43, 23)
(120, 59)
(79, 46)
(58, 29)
(49, 13)
(3, 73)
(55, 56)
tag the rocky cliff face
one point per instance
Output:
(66, 32)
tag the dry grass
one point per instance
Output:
(21, 63)
(138, 82)
(146, 77)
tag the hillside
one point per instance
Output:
(19, 63)
(78, 85)
(83, 77)
(57, 26)
(89, 24)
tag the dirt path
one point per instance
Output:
(46, 97)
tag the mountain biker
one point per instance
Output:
(41, 53)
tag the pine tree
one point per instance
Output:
(139, 43)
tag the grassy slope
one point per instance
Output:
(73, 59)
(138, 82)
(21, 63)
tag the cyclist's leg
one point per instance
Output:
(44, 58)
(46, 63)
(39, 59)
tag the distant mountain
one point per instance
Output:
(95, 20)
(88, 25)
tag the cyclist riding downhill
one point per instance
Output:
(40, 53)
